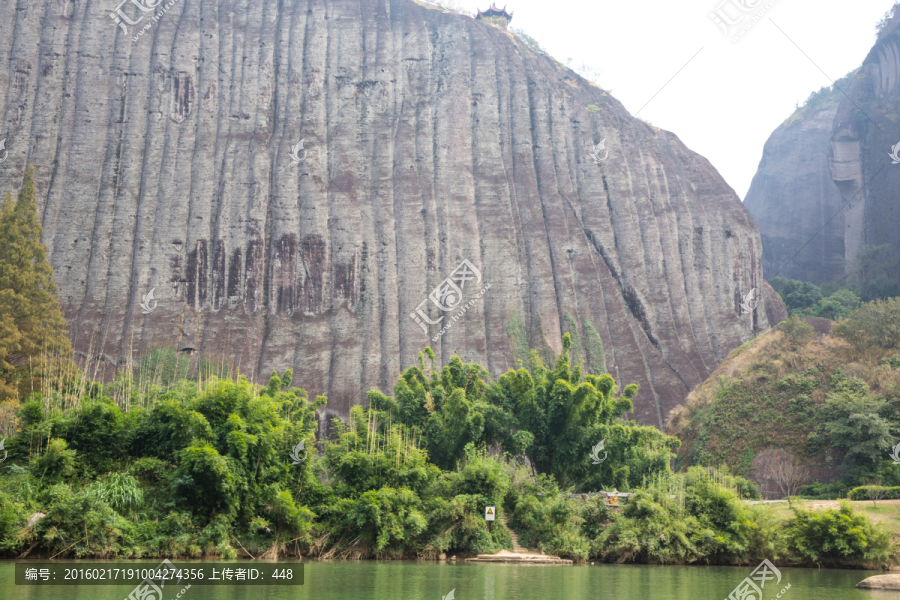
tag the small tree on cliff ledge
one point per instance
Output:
(32, 325)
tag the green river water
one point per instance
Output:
(383, 580)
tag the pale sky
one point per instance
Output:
(727, 101)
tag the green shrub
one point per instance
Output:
(546, 519)
(746, 489)
(289, 520)
(834, 307)
(648, 531)
(204, 482)
(387, 521)
(12, 516)
(872, 324)
(686, 517)
(100, 432)
(885, 493)
(857, 421)
(56, 463)
(568, 543)
(825, 491)
(595, 515)
(528, 40)
(893, 362)
(483, 476)
(169, 427)
(797, 295)
(796, 331)
(719, 533)
(120, 490)
(550, 524)
(174, 535)
(155, 477)
(82, 525)
(837, 537)
(765, 536)
(457, 524)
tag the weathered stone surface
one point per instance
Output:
(792, 198)
(428, 138)
(776, 311)
(862, 137)
(880, 582)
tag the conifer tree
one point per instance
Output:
(32, 326)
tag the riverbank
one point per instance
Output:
(228, 469)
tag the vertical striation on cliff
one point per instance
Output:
(863, 135)
(171, 160)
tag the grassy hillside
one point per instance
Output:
(818, 399)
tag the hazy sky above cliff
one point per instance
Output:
(725, 102)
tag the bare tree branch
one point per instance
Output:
(789, 475)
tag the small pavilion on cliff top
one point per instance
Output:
(495, 16)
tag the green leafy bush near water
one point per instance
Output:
(218, 469)
(832, 537)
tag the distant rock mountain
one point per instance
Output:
(169, 157)
(792, 196)
(834, 153)
(866, 128)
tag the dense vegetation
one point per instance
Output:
(809, 300)
(199, 469)
(208, 470)
(831, 401)
(215, 469)
(873, 275)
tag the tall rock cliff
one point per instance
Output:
(866, 129)
(827, 185)
(169, 157)
(792, 197)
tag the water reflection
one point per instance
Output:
(384, 580)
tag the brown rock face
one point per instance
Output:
(171, 161)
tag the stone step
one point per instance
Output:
(505, 556)
(515, 538)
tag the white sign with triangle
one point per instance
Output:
(489, 513)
